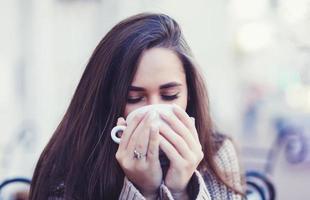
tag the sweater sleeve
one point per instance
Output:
(206, 186)
(201, 186)
(196, 189)
(129, 191)
(227, 161)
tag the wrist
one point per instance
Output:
(182, 195)
(149, 195)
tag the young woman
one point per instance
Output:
(143, 60)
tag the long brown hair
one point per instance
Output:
(81, 153)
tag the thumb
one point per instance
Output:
(121, 122)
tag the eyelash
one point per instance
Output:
(164, 97)
(170, 97)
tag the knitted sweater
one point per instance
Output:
(203, 186)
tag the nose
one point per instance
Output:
(155, 99)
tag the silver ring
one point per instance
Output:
(138, 155)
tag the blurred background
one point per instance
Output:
(255, 56)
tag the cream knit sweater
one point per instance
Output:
(203, 186)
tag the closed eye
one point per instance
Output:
(170, 97)
(133, 100)
(165, 96)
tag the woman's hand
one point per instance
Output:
(141, 137)
(181, 144)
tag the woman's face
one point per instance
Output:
(160, 79)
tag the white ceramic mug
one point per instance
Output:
(157, 108)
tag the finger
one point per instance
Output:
(129, 130)
(140, 138)
(189, 122)
(153, 147)
(176, 140)
(121, 122)
(170, 151)
(179, 128)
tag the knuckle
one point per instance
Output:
(193, 161)
(202, 155)
(118, 156)
(119, 121)
(189, 165)
(139, 147)
(122, 121)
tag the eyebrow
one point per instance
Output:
(164, 86)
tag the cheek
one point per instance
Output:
(182, 101)
(184, 97)
(129, 108)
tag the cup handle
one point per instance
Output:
(114, 132)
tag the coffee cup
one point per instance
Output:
(156, 108)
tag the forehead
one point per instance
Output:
(158, 66)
